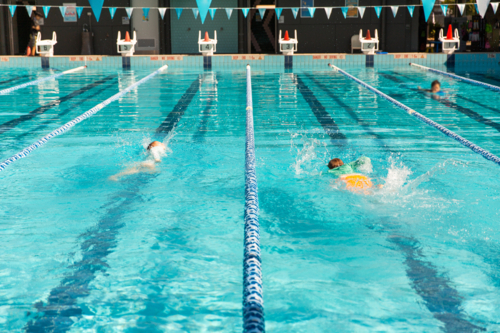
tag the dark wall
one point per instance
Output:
(323, 35)
(69, 34)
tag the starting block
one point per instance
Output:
(45, 48)
(207, 46)
(126, 47)
(450, 43)
(288, 45)
(368, 44)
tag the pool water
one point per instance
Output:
(163, 250)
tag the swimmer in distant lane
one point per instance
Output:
(348, 173)
(156, 150)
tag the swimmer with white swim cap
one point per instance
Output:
(156, 150)
(348, 173)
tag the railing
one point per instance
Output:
(253, 301)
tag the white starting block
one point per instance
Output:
(288, 45)
(450, 43)
(368, 44)
(207, 46)
(45, 48)
(126, 47)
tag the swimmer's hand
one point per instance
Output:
(113, 178)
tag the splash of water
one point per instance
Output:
(309, 159)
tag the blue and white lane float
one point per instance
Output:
(32, 83)
(486, 154)
(253, 300)
(461, 78)
(25, 152)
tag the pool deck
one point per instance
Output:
(257, 61)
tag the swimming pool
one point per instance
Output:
(163, 251)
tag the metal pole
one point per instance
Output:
(3, 46)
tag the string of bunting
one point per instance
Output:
(204, 8)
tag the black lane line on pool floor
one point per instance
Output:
(199, 135)
(97, 245)
(466, 111)
(456, 95)
(13, 79)
(350, 111)
(173, 118)
(7, 126)
(323, 117)
(424, 277)
(70, 108)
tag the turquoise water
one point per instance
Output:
(163, 251)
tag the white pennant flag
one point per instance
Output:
(195, 13)
(461, 8)
(162, 12)
(129, 11)
(494, 5)
(229, 12)
(29, 9)
(361, 11)
(482, 6)
(328, 11)
(394, 10)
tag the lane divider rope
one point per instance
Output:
(486, 154)
(32, 83)
(25, 152)
(253, 300)
(461, 78)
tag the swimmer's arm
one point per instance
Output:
(147, 166)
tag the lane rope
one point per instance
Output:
(25, 152)
(461, 78)
(253, 299)
(32, 83)
(475, 148)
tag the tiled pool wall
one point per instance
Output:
(459, 61)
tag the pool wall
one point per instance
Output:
(257, 61)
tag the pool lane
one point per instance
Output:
(9, 125)
(426, 280)
(61, 304)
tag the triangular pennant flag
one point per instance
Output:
(112, 11)
(262, 11)
(145, 12)
(278, 12)
(63, 10)
(129, 11)
(394, 10)
(444, 8)
(295, 11)
(30, 10)
(179, 12)
(328, 11)
(345, 9)
(245, 11)
(203, 6)
(212, 12)
(229, 12)
(79, 11)
(361, 11)
(195, 12)
(96, 8)
(46, 10)
(482, 6)
(378, 10)
(162, 12)
(12, 9)
(461, 8)
(494, 5)
(428, 6)
(311, 11)
(411, 9)
(475, 6)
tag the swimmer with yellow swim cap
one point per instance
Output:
(348, 173)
